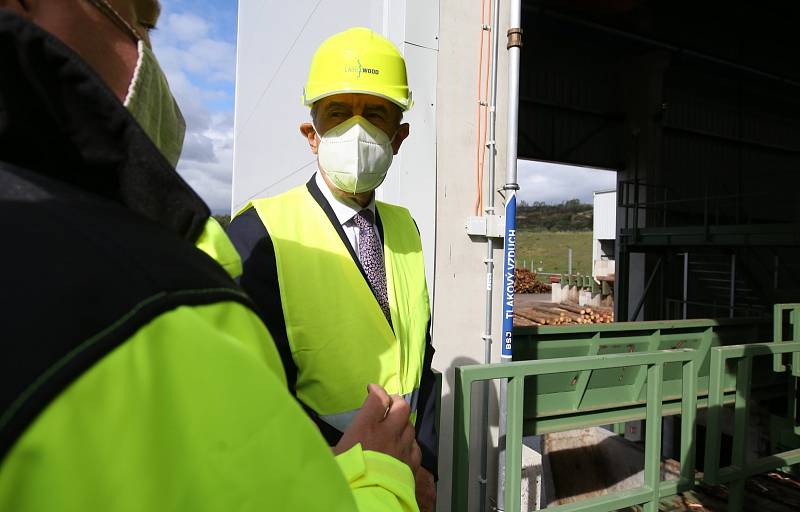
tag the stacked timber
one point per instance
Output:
(546, 313)
(525, 282)
(590, 315)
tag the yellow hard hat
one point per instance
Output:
(358, 61)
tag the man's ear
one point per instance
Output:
(307, 130)
(402, 132)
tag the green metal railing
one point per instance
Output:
(778, 366)
(653, 362)
(596, 375)
(558, 402)
(740, 469)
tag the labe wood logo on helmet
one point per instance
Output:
(358, 69)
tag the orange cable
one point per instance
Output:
(482, 128)
(486, 106)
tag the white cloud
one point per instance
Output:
(200, 69)
(183, 44)
(184, 26)
(207, 161)
(554, 183)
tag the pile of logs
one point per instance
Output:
(525, 282)
(562, 314)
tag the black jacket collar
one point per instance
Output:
(59, 119)
(319, 197)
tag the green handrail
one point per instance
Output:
(554, 403)
(647, 495)
(740, 469)
(703, 369)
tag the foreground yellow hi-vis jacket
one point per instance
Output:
(214, 242)
(339, 338)
(191, 413)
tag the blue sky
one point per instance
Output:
(195, 42)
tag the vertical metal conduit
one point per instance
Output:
(514, 45)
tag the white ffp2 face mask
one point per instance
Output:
(355, 155)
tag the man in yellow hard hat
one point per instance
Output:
(135, 373)
(346, 271)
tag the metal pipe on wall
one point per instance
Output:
(510, 247)
(491, 147)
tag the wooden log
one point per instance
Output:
(549, 312)
(544, 316)
(568, 314)
(575, 309)
(523, 322)
(534, 316)
(543, 309)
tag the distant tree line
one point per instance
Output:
(569, 215)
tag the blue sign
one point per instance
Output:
(509, 264)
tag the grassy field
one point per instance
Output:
(548, 250)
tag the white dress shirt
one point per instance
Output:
(345, 209)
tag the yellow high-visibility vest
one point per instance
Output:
(339, 337)
(214, 242)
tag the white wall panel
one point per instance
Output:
(605, 215)
(422, 23)
(412, 179)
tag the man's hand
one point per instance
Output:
(426, 490)
(382, 425)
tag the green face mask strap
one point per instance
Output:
(116, 18)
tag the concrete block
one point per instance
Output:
(555, 293)
(572, 294)
(531, 479)
(590, 462)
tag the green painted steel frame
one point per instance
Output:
(556, 403)
(737, 473)
(778, 363)
(777, 328)
(653, 362)
(703, 371)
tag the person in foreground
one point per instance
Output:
(135, 374)
(339, 277)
